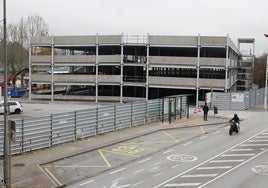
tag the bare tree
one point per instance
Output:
(18, 40)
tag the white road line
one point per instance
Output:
(233, 168)
(182, 184)
(118, 179)
(157, 163)
(138, 171)
(137, 184)
(163, 183)
(144, 160)
(261, 137)
(157, 174)
(176, 166)
(227, 161)
(216, 132)
(264, 133)
(168, 151)
(188, 143)
(258, 141)
(201, 138)
(90, 181)
(239, 154)
(243, 145)
(213, 167)
(244, 149)
(198, 175)
(117, 170)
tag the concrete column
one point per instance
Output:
(198, 70)
(226, 64)
(97, 68)
(147, 67)
(121, 66)
(52, 68)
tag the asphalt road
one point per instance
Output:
(206, 160)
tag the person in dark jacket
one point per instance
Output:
(205, 110)
(236, 119)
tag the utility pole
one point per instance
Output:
(6, 167)
(266, 76)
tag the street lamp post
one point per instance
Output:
(266, 76)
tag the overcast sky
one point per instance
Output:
(238, 18)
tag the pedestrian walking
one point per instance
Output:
(205, 110)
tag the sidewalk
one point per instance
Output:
(27, 173)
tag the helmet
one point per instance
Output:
(235, 114)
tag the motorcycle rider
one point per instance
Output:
(236, 120)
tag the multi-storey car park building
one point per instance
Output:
(121, 67)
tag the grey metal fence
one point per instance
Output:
(42, 132)
(239, 100)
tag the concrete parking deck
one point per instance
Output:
(27, 172)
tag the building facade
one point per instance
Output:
(121, 67)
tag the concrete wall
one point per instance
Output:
(173, 40)
(164, 60)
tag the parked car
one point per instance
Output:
(14, 107)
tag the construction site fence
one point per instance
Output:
(47, 131)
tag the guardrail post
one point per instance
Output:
(51, 129)
(21, 147)
(97, 122)
(75, 127)
(30, 142)
(114, 117)
(22, 133)
(50, 141)
(131, 114)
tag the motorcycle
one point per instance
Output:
(234, 127)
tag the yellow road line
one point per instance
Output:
(150, 142)
(177, 141)
(75, 166)
(126, 144)
(120, 153)
(52, 176)
(104, 158)
(203, 130)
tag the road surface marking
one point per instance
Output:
(264, 134)
(243, 145)
(244, 149)
(137, 184)
(214, 167)
(258, 141)
(182, 184)
(104, 158)
(121, 169)
(144, 160)
(118, 179)
(199, 175)
(203, 130)
(168, 151)
(138, 171)
(87, 182)
(237, 155)
(188, 143)
(170, 179)
(157, 163)
(227, 161)
(52, 176)
(176, 166)
(173, 138)
(202, 137)
(157, 174)
(233, 168)
(261, 137)
(216, 132)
